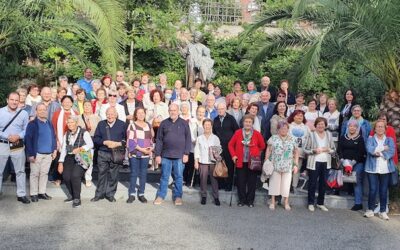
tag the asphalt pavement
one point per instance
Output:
(104, 225)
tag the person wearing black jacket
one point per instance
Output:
(351, 147)
(345, 111)
(224, 127)
(110, 134)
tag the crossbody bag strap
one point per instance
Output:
(9, 123)
(84, 121)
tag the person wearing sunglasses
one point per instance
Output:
(112, 102)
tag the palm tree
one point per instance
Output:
(366, 32)
(27, 25)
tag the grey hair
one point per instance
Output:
(40, 104)
(74, 118)
(63, 78)
(356, 106)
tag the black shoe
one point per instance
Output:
(357, 207)
(34, 198)
(240, 204)
(228, 189)
(336, 192)
(142, 199)
(76, 203)
(44, 197)
(203, 200)
(251, 205)
(217, 203)
(130, 199)
(23, 199)
(69, 200)
(111, 199)
(96, 199)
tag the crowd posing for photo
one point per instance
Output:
(194, 136)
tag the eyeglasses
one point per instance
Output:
(112, 95)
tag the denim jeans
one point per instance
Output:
(358, 187)
(375, 182)
(168, 165)
(138, 169)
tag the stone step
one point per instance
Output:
(190, 195)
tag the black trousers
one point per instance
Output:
(247, 180)
(108, 175)
(189, 170)
(226, 156)
(72, 176)
(317, 175)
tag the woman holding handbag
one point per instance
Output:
(282, 148)
(140, 145)
(379, 168)
(246, 146)
(74, 141)
(351, 150)
(203, 162)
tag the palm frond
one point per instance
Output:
(108, 18)
(294, 38)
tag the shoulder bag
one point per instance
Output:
(118, 153)
(220, 170)
(18, 144)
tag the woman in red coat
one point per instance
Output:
(245, 144)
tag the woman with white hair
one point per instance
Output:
(282, 149)
(75, 141)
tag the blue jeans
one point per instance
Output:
(168, 165)
(375, 182)
(138, 169)
(358, 187)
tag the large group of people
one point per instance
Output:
(62, 133)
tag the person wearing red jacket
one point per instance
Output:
(245, 144)
(390, 132)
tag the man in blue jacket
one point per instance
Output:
(173, 144)
(41, 148)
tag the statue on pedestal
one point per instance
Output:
(199, 63)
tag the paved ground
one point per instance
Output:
(104, 225)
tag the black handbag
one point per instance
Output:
(394, 178)
(118, 153)
(255, 163)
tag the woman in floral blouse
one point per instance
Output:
(282, 150)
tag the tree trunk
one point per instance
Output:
(391, 105)
(131, 58)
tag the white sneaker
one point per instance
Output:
(323, 208)
(383, 216)
(311, 208)
(369, 214)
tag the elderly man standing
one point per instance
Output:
(211, 112)
(41, 148)
(110, 135)
(265, 86)
(13, 124)
(173, 144)
(224, 127)
(52, 106)
(266, 111)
